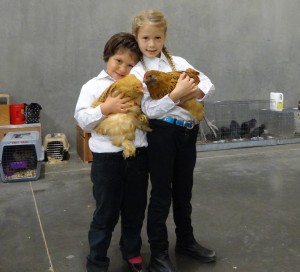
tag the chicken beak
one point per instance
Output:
(146, 80)
(140, 90)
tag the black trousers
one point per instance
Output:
(119, 188)
(172, 158)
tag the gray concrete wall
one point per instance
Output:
(50, 48)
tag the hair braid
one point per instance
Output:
(169, 58)
(143, 64)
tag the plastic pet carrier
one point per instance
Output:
(56, 147)
(21, 155)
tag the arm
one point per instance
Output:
(86, 115)
(185, 89)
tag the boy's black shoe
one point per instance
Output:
(197, 251)
(161, 263)
(137, 267)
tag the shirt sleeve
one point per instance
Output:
(86, 116)
(206, 86)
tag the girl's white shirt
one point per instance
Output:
(165, 107)
(88, 117)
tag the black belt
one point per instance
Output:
(138, 151)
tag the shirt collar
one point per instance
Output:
(104, 74)
(155, 61)
(164, 58)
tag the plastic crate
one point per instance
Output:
(56, 147)
(21, 154)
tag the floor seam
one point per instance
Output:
(42, 230)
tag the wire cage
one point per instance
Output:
(56, 147)
(21, 155)
(245, 120)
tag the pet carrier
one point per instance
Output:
(56, 147)
(21, 155)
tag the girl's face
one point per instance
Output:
(151, 40)
(120, 64)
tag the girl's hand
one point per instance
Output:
(118, 104)
(196, 93)
(185, 87)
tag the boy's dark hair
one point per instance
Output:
(121, 41)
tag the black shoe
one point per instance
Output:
(197, 251)
(101, 269)
(161, 263)
(137, 267)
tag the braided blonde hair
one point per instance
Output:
(153, 17)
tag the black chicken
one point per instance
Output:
(246, 128)
(235, 129)
(213, 137)
(225, 133)
(258, 131)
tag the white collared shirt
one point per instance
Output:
(165, 107)
(88, 117)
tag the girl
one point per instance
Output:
(119, 185)
(172, 145)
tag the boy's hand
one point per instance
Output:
(118, 104)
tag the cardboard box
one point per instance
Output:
(83, 150)
(4, 115)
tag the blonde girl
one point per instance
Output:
(171, 145)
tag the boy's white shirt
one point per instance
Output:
(165, 107)
(88, 117)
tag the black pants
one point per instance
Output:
(172, 158)
(119, 188)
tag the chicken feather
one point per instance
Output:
(121, 127)
(160, 84)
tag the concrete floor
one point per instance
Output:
(246, 207)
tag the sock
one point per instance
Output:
(135, 260)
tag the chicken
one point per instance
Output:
(235, 129)
(121, 127)
(246, 127)
(160, 84)
(258, 131)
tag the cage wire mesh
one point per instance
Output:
(245, 120)
(19, 162)
(56, 146)
(20, 157)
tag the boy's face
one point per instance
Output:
(120, 64)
